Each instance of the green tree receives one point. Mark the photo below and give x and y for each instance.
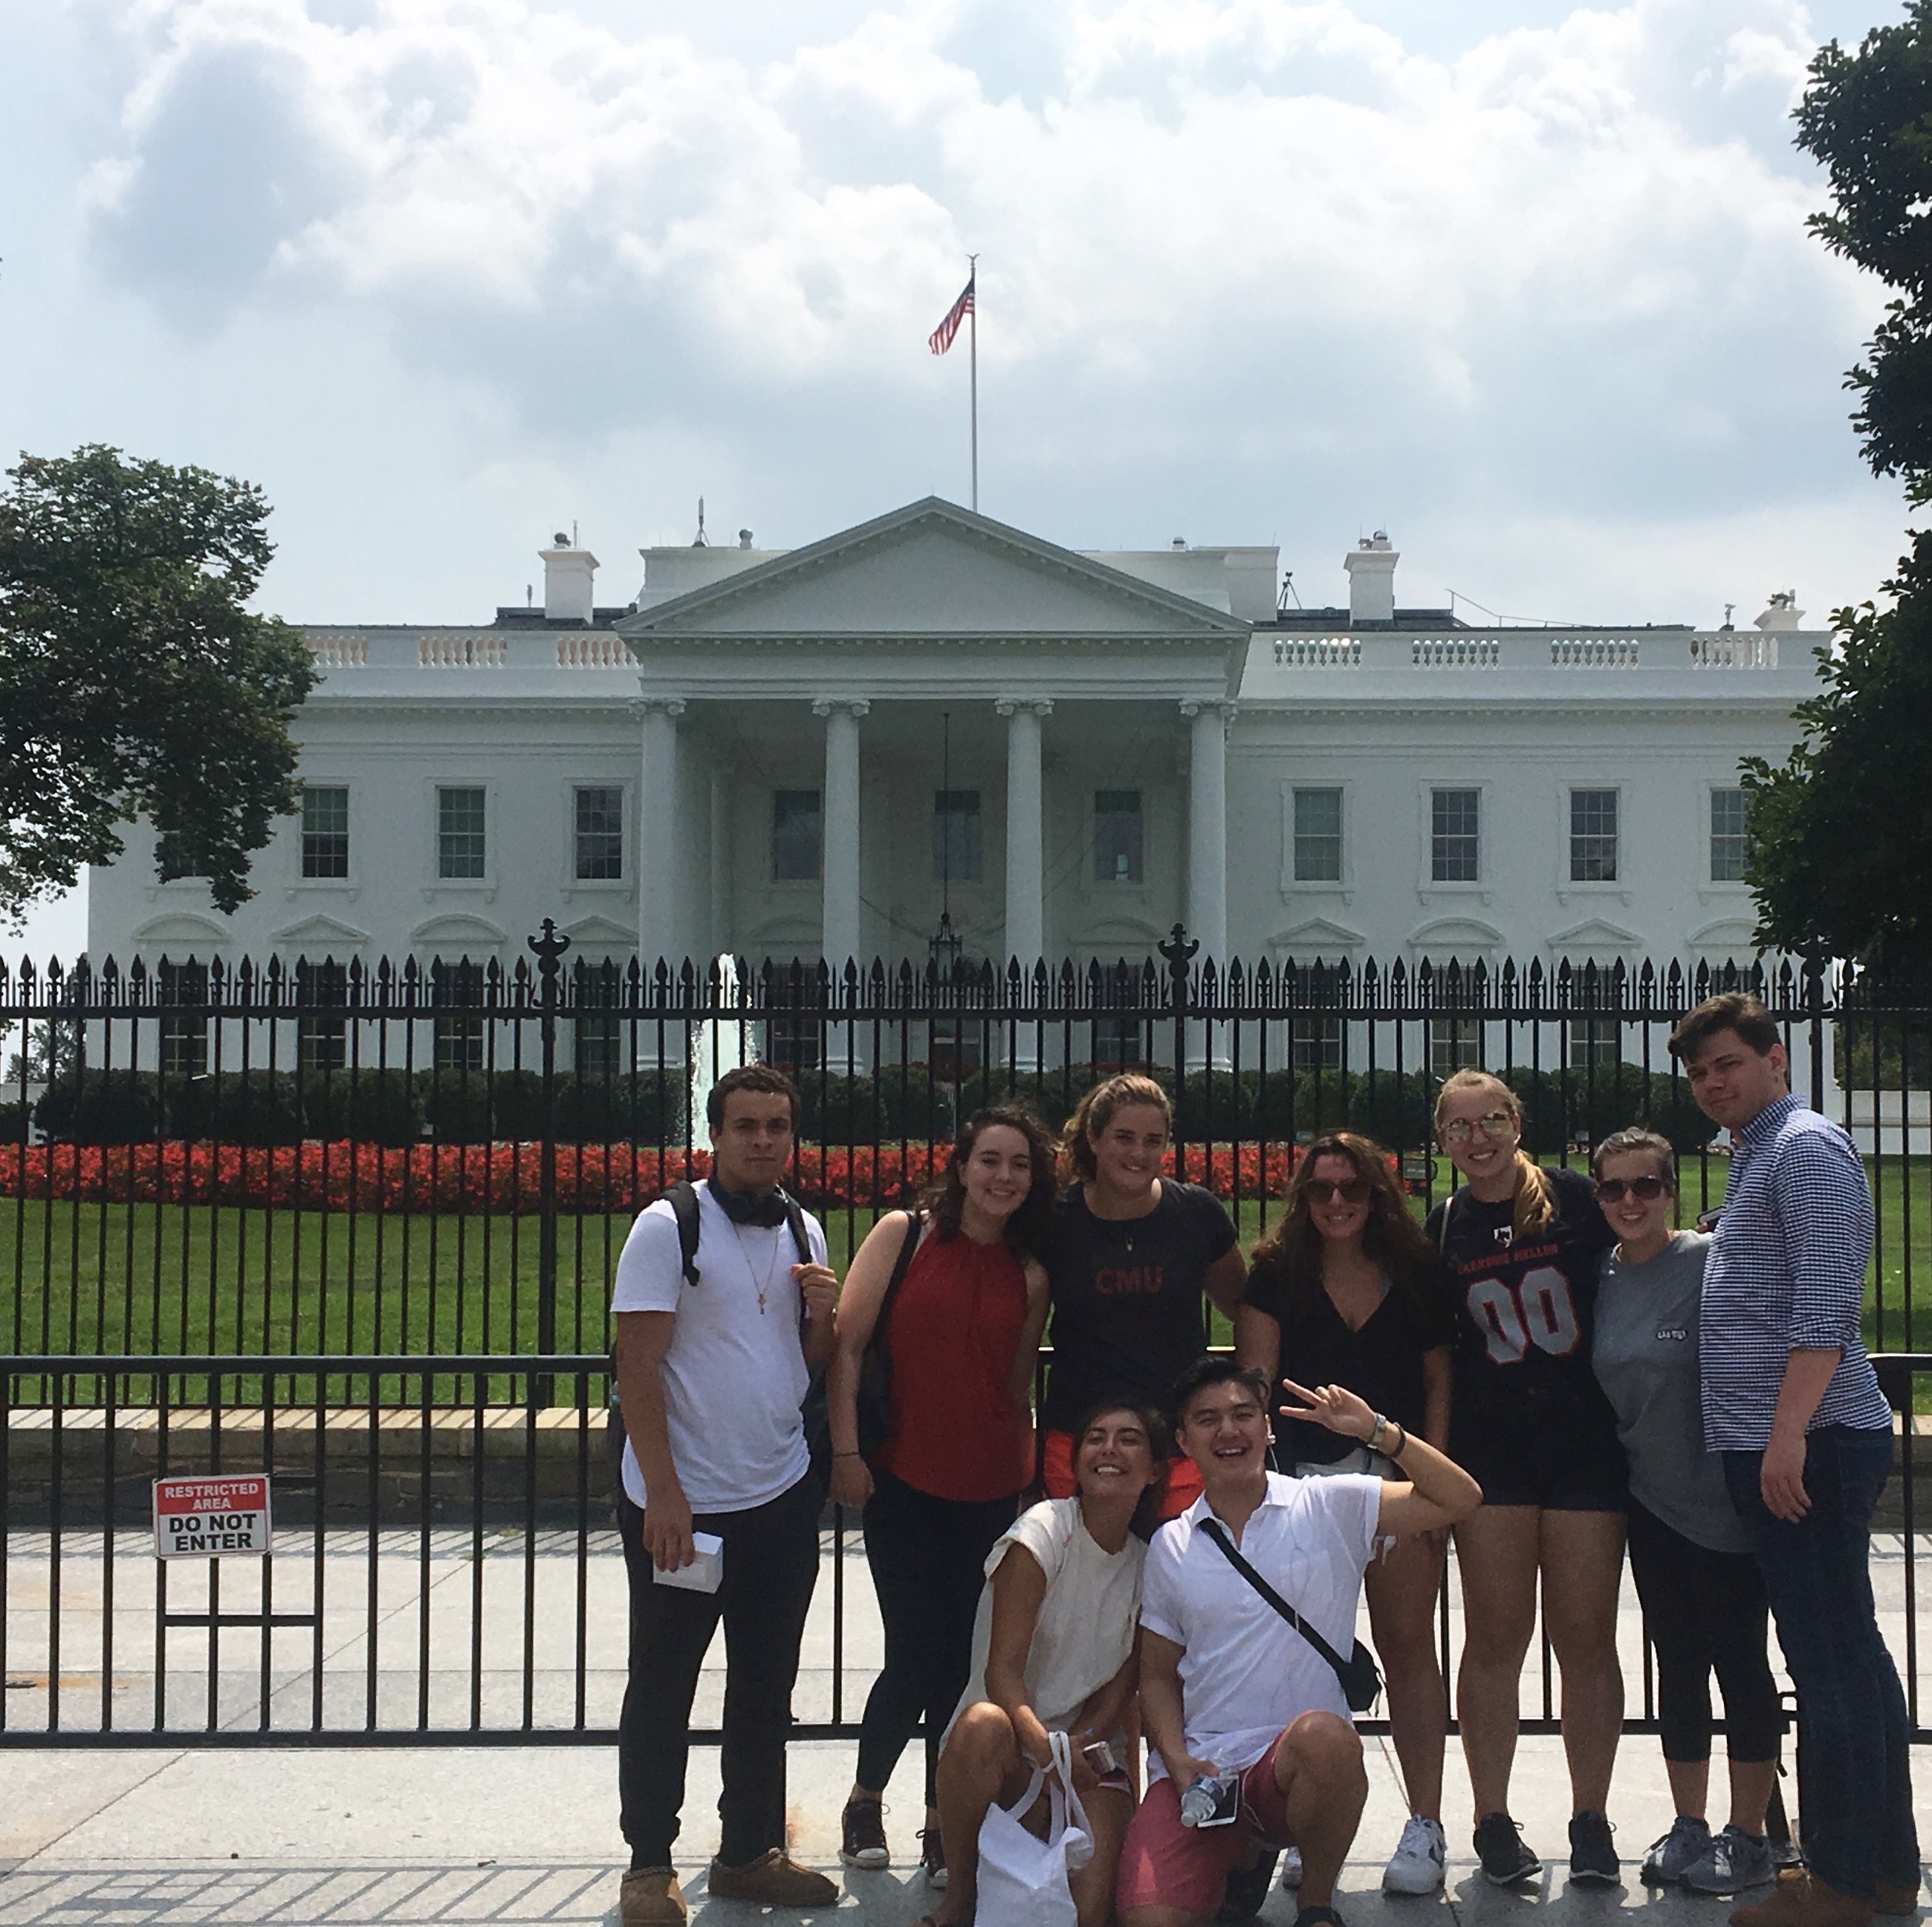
(133, 680)
(1842, 829)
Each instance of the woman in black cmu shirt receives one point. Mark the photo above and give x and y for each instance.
(1522, 1244)
(1133, 1253)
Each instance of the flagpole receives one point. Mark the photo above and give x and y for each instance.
(972, 354)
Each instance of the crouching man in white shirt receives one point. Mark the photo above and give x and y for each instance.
(1228, 1687)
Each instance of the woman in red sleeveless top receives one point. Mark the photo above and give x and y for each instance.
(962, 1336)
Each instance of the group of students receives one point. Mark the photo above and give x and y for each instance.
(1524, 1370)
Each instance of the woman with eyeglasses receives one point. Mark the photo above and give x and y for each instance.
(1346, 1289)
(1703, 1598)
(1528, 1419)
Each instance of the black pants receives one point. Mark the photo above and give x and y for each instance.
(771, 1565)
(1705, 1611)
(928, 1557)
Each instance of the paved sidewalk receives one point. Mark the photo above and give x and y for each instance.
(526, 1837)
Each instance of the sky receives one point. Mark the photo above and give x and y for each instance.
(1527, 284)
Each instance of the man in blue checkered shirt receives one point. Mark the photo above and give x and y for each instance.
(1791, 1402)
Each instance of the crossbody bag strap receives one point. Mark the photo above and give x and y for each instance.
(1218, 1533)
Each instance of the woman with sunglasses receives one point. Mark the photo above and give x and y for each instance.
(1528, 1419)
(1346, 1290)
(1704, 1604)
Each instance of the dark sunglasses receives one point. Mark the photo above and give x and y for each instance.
(1350, 1191)
(1610, 1190)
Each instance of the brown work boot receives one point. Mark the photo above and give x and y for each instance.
(774, 1879)
(651, 1897)
(1900, 1902)
(1801, 1899)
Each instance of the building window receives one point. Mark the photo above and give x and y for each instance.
(184, 988)
(600, 835)
(954, 1048)
(1318, 835)
(798, 836)
(1120, 1043)
(600, 1045)
(325, 831)
(1315, 1043)
(793, 1040)
(459, 832)
(1455, 835)
(1730, 839)
(1117, 838)
(1591, 1044)
(1455, 1043)
(1593, 835)
(321, 1037)
(458, 1040)
(957, 848)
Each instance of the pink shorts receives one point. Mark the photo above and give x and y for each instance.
(1165, 1864)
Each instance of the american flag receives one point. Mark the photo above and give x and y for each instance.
(941, 339)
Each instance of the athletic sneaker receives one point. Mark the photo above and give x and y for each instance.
(1416, 1866)
(1688, 1841)
(1505, 1856)
(1734, 1860)
(1291, 1868)
(1593, 1856)
(932, 1856)
(863, 1826)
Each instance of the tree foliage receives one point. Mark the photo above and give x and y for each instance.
(133, 680)
(1842, 829)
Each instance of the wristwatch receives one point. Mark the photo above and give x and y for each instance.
(1374, 1439)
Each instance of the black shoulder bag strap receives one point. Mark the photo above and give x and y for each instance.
(1361, 1678)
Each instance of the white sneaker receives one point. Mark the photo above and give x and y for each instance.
(1291, 1867)
(1417, 1865)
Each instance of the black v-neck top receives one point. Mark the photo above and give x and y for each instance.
(1381, 1363)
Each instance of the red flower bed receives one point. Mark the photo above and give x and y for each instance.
(508, 1177)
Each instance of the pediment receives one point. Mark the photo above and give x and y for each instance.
(457, 931)
(1594, 933)
(1315, 936)
(181, 926)
(1450, 935)
(320, 932)
(591, 932)
(1725, 937)
(932, 569)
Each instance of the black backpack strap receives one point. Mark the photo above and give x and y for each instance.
(801, 1235)
(683, 1199)
(1218, 1533)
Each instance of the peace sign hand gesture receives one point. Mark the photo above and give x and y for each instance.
(1332, 1405)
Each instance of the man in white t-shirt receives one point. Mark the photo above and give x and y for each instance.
(711, 1376)
(1227, 1685)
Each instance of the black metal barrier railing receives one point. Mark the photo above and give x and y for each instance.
(445, 1570)
(443, 1158)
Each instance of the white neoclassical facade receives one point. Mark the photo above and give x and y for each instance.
(816, 753)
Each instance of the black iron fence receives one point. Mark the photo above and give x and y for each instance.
(294, 1160)
(441, 1571)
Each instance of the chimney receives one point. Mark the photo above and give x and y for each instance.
(1371, 566)
(568, 571)
(1783, 614)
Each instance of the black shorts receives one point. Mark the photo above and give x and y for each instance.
(1555, 1453)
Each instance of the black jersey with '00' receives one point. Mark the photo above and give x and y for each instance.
(1524, 1306)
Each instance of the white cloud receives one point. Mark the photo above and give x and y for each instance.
(1273, 261)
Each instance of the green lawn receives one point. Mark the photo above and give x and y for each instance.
(106, 1279)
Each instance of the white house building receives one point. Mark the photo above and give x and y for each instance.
(814, 754)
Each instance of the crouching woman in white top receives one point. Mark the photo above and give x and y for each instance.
(1055, 1649)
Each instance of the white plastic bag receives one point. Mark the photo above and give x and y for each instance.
(1023, 1879)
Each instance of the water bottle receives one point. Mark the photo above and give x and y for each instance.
(1202, 1802)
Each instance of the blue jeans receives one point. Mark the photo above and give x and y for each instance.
(1856, 1800)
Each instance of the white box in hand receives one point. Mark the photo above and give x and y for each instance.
(704, 1573)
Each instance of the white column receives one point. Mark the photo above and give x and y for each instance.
(1026, 873)
(1207, 827)
(658, 839)
(841, 829)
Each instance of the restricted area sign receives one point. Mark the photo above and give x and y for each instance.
(197, 1518)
